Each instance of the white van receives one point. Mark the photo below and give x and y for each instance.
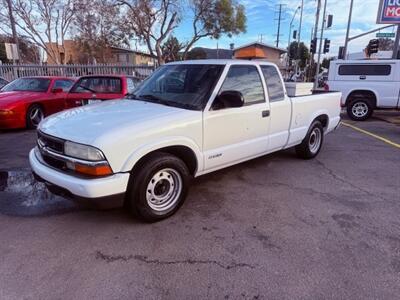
(365, 85)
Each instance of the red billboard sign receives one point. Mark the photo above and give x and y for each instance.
(389, 12)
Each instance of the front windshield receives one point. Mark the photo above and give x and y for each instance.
(28, 85)
(186, 86)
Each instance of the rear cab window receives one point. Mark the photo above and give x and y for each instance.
(101, 85)
(274, 83)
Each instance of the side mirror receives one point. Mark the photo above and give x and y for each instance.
(228, 99)
(57, 90)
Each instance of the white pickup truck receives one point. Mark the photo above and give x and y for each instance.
(188, 119)
(366, 85)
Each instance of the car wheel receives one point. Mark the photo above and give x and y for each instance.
(158, 187)
(312, 143)
(359, 109)
(34, 116)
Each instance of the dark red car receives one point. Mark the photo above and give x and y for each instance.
(25, 101)
(95, 88)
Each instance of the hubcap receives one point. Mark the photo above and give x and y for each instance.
(164, 189)
(359, 109)
(36, 116)
(314, 143)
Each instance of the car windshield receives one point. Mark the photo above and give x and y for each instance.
(185, 86)
(107, 85)
(28, 85)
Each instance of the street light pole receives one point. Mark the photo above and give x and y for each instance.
(291, 25)
(320, 46)
(396, 43)
(346, 42)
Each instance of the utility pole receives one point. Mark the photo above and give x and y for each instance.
(346, 42)
(320, 46)
(301, 21)
(12, 25)
(396, 43)
(279, 25)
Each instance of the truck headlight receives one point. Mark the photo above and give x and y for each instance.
(82, 151)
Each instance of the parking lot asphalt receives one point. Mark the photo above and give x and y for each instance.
(276, 227)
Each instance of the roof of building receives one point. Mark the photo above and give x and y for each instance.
(262, 45)
(132, 51)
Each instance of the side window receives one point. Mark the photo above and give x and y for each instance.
(372, 70)
(245, 79)
(274, 83)
(65, 85)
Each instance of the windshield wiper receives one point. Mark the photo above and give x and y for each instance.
(150, 97)
(88, 89)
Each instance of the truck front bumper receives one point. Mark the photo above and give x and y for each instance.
(101, 191)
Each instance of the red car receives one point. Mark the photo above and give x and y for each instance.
(95, 88)
(25, 101)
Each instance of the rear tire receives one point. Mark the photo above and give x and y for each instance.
(158, 187)
(34, 116)
(359, 109)
(312, 143)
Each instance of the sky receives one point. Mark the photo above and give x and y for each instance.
(261, 15)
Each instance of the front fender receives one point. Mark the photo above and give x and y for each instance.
(138, 153)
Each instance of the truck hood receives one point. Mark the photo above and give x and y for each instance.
(93, 124)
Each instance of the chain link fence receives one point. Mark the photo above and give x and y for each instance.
(11, 72)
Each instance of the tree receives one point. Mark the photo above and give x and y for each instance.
(29, 52)
(294, 54)
(97, 25)
(326, 62)
(171, 49)
(152, 21)
(196, 53)
(213, 18)
(45, 22)
(386, 44)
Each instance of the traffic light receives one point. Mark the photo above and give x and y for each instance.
(373, 47)
(329, 21)
(294, 34)
(313, 46)
(327, 44)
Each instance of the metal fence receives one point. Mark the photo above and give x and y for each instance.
(11, 72)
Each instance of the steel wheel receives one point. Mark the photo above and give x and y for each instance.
(164, 189)
(360, 109)
(314, 142)
(36, 115)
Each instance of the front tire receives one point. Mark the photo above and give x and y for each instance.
(359, 109)
(34, 116)
(312, 143)
(158, 187)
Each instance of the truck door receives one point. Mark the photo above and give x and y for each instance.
(232, 134)
(281, 108)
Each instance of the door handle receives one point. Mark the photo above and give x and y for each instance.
(363, 77)
(265, 113)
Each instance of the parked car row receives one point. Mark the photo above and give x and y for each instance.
(25, 102)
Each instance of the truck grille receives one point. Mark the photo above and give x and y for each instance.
(50, 142)
(53, 144)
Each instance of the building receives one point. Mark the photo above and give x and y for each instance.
(262, 51)
(69, 54)
(134, 57)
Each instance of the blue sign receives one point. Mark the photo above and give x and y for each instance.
(389, 12)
